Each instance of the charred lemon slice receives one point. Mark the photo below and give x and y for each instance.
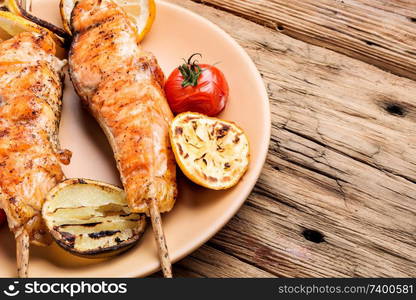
(211, 152)
(16, 6)
(91, 219)
(23, 8)
(141, 12)
(12, 6)
(11, 25)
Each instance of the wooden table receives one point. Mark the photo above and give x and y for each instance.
(337, 196)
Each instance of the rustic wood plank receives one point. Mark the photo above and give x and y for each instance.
(337, 195)
(355, 242)
(210, 262)
(379, 32)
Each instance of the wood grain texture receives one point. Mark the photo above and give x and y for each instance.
(210, 262)
(337, 196)
(379, 32)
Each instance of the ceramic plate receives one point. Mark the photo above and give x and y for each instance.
(199, 213)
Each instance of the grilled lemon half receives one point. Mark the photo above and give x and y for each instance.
(211, 152)
(91, 219)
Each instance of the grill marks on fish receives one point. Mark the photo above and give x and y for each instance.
(122, 86)
(30, 93)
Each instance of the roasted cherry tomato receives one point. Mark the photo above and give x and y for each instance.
(198, 88)
(2, 217)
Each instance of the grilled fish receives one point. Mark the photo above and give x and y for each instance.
(122, 86)
(30, 105)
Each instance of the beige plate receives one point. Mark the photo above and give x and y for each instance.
(199, 213)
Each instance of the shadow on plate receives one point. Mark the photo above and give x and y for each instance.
(93, 130)
(7, 243)
(195, 196)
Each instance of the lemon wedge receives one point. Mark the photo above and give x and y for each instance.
(141, 12)
(23, 7)
(66, 7)
(11, 25)
(13, 6)
(16, 6)
(211, 152)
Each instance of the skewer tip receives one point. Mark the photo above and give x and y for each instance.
(160, 239)
(22, 254)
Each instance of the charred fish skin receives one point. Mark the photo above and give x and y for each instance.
(30, 106)
(122, 86)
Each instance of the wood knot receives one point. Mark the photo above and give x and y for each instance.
(280, 27)
(412, 19)
(276, 168)
(370, 43)
(395, 109)
(313, 236)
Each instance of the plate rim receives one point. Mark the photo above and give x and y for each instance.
(232, 211)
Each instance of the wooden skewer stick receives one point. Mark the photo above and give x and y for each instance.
(154, 212)
(25, 4)
(22, 253)
(160, 238)
(28, 5)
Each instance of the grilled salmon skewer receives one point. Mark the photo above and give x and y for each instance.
(121, 84)
(30, 106)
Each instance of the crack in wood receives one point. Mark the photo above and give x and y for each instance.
(374, 165)
(259, 189)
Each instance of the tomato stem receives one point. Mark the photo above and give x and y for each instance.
(190, 71)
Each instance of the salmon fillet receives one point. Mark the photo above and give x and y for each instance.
(30, 106)
(122, 86)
